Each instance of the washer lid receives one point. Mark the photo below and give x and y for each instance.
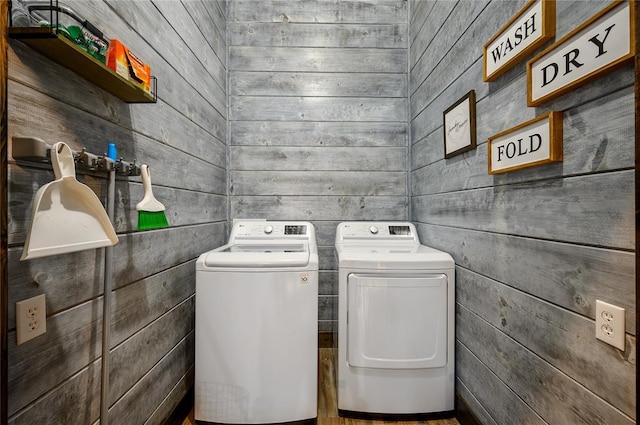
(259, 256)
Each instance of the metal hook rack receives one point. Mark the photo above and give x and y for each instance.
(34, 149)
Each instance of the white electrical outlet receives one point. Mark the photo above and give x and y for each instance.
(31, 318)
(610, 322)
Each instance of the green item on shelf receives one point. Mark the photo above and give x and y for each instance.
(76, 34)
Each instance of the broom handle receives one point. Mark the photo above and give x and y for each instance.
(106, 309)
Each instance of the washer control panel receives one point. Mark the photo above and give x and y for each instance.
(262, 229)
(291, 229)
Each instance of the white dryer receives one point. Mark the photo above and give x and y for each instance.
(396, 319)
(257, 326)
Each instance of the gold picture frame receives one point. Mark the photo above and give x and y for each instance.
(510, 37)
(577, 70)
(519, 142)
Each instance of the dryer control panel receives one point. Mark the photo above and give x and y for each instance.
(375, 230)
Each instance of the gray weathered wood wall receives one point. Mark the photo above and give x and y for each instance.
(534, 248)
(330, 117)
(55, 378)
(318, 117)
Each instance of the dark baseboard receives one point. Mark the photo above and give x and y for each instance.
(396, 417)
(182, 410)
(325, 340)
(463, 413)
(311, 421)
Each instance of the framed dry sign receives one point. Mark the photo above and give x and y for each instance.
(600, 45)
(529, 29)
(460, 126)
(535, 142)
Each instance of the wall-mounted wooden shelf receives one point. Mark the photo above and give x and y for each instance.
(64, 52)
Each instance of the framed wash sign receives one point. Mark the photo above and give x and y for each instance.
(600, 45)
(535, 142)
(460, 126)
(529, 29)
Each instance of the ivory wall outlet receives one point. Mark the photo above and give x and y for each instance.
(610, 323)
(31, 318)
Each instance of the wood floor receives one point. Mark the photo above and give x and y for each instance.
(327, 403)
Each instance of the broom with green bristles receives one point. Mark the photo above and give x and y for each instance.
(150, 211)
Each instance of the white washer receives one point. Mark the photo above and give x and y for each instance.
(257, 326)
(396, 323)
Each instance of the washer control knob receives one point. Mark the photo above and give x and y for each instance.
(268, 229)
(374, 230)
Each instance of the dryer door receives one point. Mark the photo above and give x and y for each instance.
(397, 321)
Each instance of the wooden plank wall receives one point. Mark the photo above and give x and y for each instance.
(4, 275)
(55, 378)
(318, 117)
(535, 248)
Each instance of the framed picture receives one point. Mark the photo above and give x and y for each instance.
(600, 45)
(535, 142)
(460, 126)
(529, 29)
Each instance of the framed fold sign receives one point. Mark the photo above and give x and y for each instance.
(600, 45)
(529, 29)
(535, 142)
(460, 126)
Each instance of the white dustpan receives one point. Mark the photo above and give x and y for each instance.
(67, 215)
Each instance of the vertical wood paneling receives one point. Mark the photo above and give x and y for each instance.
(522, 266)
(4, 207)
(55, 378)
(636, 19)
(318, 116)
